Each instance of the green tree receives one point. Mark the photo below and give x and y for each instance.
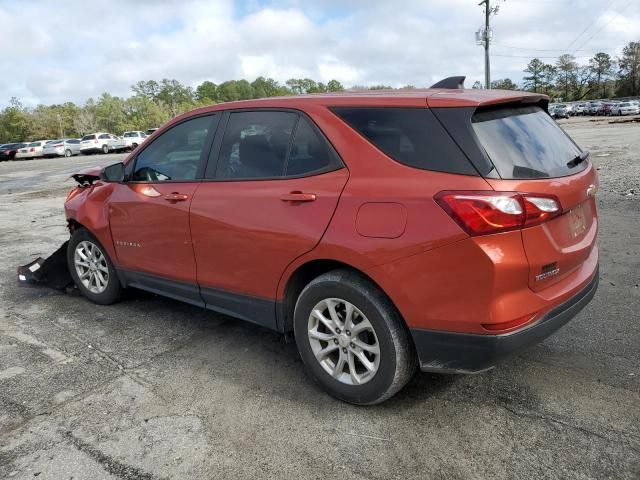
(207, 92)
(334, 86)
(504, 84)
(477, 85)
(600, 66)
(566, 71)
(148, 89)
(228, 91)
(534, 80)
(14, 124)
(629, 70)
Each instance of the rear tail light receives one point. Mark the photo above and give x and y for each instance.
(483, 213)
(32, 149)
(95, 141)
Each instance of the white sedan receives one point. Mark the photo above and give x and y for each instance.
(33, 150)
(625, 108)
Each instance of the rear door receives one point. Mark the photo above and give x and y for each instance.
(532, 154)
(272, 185)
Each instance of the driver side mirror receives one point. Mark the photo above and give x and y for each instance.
(113, 173)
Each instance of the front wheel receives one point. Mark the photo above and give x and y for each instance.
(105, 149)
(67, 153)
(92, 269)
(352, 339)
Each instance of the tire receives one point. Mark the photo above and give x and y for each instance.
(389, 370)
(67, 153)
(105, 149)
(102, 293)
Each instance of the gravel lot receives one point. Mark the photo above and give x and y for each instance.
(151, 388)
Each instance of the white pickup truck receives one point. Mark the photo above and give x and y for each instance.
(133, 139)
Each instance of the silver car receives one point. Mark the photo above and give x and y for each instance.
(62, 148)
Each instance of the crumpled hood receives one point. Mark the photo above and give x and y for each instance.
(87, 176)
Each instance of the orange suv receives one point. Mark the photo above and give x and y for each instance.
(439, 229)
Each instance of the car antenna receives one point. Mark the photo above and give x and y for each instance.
(453, 83)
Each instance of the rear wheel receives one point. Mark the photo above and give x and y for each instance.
(67, 153)
(105, 149)
(92, 269)
(352, 339)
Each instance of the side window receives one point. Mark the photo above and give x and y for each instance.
(255, 144)
(310, 152)
(175, 154)
(411, 136)
(104, 135)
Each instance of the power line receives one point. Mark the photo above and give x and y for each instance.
(606, 24)
(547, 49)
(530, 57)
(590, 24)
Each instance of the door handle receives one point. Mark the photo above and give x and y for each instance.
(176, 197)
(298, 197)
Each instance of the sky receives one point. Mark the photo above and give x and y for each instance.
(54, 51)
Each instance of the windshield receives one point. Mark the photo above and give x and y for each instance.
(525, 142)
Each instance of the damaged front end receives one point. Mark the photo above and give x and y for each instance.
(53, 272)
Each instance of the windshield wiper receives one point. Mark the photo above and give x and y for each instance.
(578, 159)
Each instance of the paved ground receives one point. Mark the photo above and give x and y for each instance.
(152, 388)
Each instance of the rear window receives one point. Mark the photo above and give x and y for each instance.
(35, 144)
(130, 134)
(89, 137)
(411, 136)
(525, 142)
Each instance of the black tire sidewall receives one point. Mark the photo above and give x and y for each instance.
(375, 388)
(113, 290)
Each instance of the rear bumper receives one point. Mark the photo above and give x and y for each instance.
(449, 352)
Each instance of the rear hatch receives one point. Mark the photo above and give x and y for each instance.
(533, 155)
(528, 153)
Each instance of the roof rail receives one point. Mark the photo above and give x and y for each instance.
(450, 82)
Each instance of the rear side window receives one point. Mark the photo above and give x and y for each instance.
(310, 152)
(524, 142)
(411, 136)
(255, 145)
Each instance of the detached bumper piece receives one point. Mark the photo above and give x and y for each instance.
(51, 272)
(448, 352)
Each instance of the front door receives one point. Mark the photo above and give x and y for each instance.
(267, 200)
(149, 213)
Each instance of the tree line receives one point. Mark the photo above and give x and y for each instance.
(152, 103)
(566, 80)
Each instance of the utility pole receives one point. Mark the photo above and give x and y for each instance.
(483, 37)
(59, 118)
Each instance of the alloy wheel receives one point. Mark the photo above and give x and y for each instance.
(343, 341)
(91, 266)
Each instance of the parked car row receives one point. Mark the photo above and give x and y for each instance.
(595, 108)
(99, 142)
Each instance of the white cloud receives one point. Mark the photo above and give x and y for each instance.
(81, 49)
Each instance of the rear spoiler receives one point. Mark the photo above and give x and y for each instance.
(454, 83)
